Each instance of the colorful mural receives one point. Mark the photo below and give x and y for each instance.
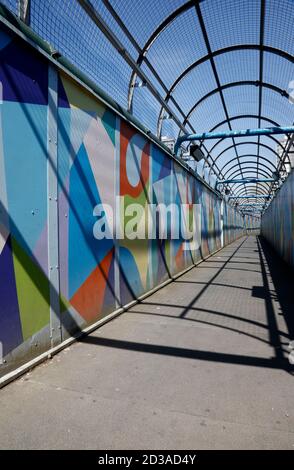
(277, 223)
(86, 178)
(233, 224)
(102, 162)
(24, 286)
(252, 223)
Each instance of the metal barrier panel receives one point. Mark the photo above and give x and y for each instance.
(24, 157)
(69, 168)
(233, 224)
(277, 222)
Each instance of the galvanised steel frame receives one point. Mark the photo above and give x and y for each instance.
(180, 118)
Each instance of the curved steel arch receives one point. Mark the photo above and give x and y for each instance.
(246, 116)
(249, 155)
(234, 186)
(277, 142)
(246, 143)
(220, 89)
(257, 199)
(166, 22)
(250, 142)
(251, 187)
(246, 169)
(261, 47)
(209, 56)
(238, 185)
(242, 116)
(260, 197)
(241, 191)
(272, 169)
(229, 175)
(247, 161)
(256, 83)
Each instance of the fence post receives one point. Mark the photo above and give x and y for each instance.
(222, 222)
(24, 11)
(52, 190)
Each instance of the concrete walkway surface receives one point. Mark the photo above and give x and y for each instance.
(201, 364)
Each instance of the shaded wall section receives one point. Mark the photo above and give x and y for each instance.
(64, 154)
(277, 223)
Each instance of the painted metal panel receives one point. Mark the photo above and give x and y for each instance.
(277, 222)
(66, 162)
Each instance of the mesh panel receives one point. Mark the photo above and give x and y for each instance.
(142, 17)
(101, 8)
(278, 107)
(270, 141)
(277, 71)
(179, 115)
(242, 100)
(170, 129)
(231, 22)
(244, 140)
(247, 162)
(208, 113)
(244, 160)
(66, 26)
(279, 20)
(238, 66)
(146, 108)
(12, 5)
(194, 85)
(221, 146)
(153, 80)
(244, 123)
(223, 159)
(246, 149)
(274, 142)
(177, 47)
(265, 152)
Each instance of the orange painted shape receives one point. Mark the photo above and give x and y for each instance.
(179, 257)
(88, 300)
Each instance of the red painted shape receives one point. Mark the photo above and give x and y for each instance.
(126, 134)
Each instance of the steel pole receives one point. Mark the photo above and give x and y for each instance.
(228, 134)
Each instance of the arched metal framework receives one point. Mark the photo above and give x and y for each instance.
(268, 85)
(238, 161)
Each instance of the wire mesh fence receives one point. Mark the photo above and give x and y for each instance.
(205, 62)
(12, 5)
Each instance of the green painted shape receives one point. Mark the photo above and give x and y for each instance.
(64, 304)
(32, 291)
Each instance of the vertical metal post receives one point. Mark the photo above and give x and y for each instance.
(4, 218)
(52, 192)
(222, 222)
(171, 244)
(116, 211)
(149, 217)
(24, 11)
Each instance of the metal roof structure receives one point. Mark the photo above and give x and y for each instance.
(189, 66)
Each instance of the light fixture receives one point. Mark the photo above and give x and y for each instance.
(276, 175)
(196, 153)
